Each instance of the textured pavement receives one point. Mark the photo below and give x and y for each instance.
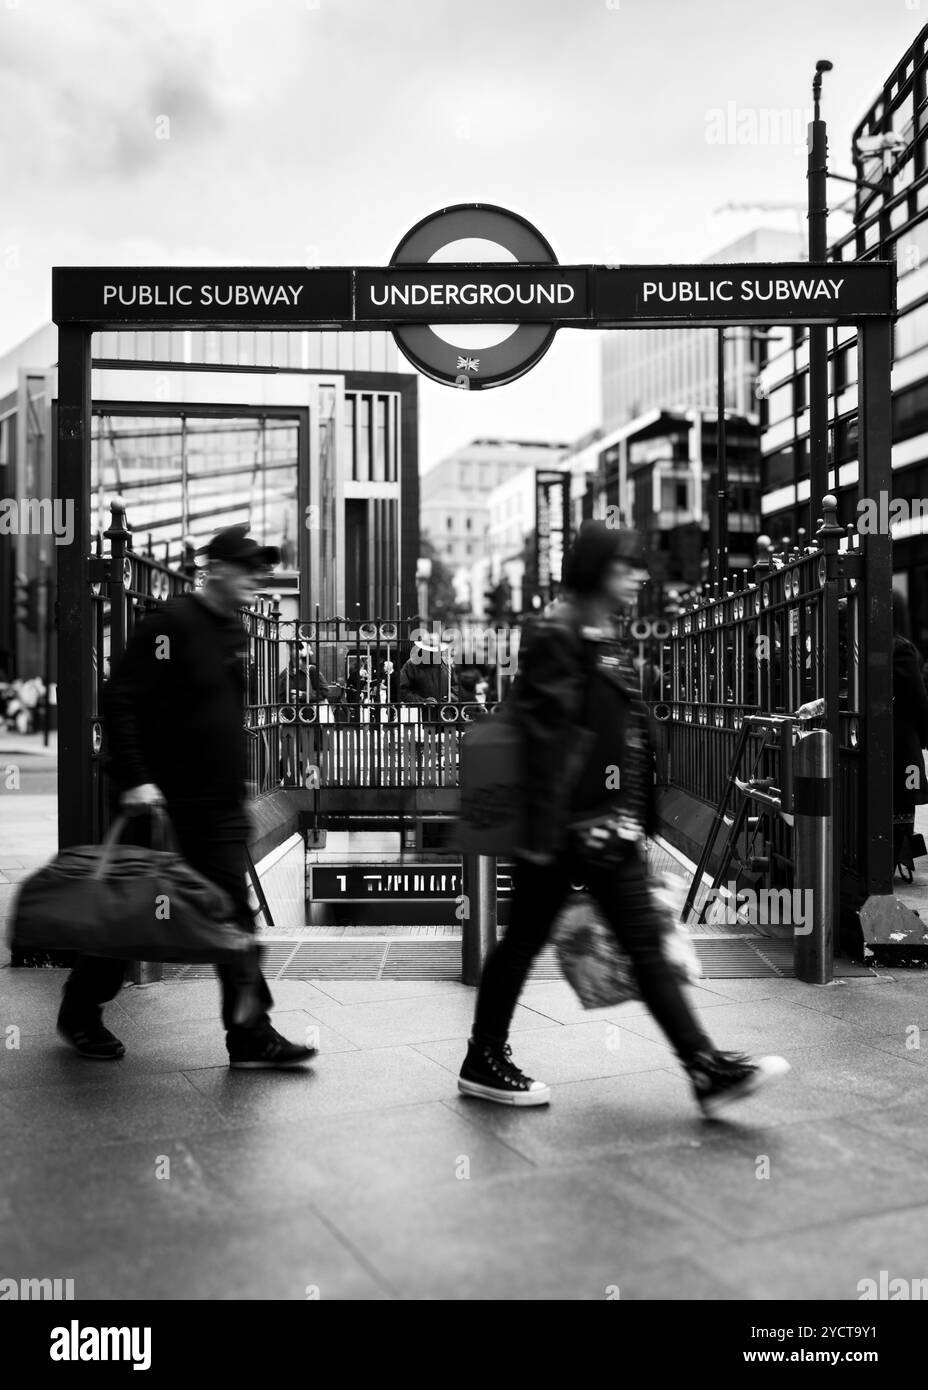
(367, 1177)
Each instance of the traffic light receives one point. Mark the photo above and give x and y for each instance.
(26, 608)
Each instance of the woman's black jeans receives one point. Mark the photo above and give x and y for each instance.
(623, 896)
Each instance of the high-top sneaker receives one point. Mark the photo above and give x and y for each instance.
(490, 1073)
(720, 1079)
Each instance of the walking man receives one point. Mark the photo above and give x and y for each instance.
(174, 722)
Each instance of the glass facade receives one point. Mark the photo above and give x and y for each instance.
(184, 476)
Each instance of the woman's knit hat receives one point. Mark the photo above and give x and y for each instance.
(595, 548)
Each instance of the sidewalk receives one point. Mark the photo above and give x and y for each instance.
(28, 814)
(367, 1177)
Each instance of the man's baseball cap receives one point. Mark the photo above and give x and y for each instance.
(234, 546)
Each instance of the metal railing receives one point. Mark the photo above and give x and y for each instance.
(323, 716)
(786, 634)
(328, 714)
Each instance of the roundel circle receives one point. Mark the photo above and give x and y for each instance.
(469, 368)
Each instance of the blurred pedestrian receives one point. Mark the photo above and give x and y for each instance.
(387, 683)
(428, 678)
(588, 801)
(301, 683)
(174, 724)
(300, 690)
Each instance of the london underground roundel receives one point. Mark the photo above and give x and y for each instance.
(474, 368)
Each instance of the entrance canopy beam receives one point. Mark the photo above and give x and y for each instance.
(294, 298)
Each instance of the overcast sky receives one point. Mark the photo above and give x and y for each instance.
(322, 130)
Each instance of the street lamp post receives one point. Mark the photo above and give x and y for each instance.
(721, 473)
(818, 337)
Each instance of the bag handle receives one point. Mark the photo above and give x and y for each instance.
(163, 833)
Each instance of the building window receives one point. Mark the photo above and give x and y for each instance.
(911, 248)
(780, 404)
(450, 523)
(363, 457)
(469, 524)
(379, 461)
(6, 440)
(910, 330)
(348, 437)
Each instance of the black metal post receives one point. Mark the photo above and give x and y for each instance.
(818, 337)
(721, 529)
(76, 820)
(48, 619)
(829, 537)
(874, 356)
(478, 885)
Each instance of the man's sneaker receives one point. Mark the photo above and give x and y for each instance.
(722, 1078)
(91, 1039)
(269, 1051)
(490, 1073)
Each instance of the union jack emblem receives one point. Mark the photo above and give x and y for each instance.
(468, 364)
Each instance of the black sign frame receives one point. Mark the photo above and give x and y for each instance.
(332, 299)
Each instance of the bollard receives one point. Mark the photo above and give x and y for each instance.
(813, 800)
(478, 884)
(146, 972)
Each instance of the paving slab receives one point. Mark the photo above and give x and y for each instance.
(106, 1108)
(381, 1153)
(293, 1256)
(372, 1079)
(379, 991)
(779, 1180)
(392, 1022)
(764, 1025)
(572, 1234)
(829, 1262)
(898, 1126)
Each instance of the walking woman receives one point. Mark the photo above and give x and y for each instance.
(587, 796)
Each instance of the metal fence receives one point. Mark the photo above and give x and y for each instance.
(323, 705)
(786, 634)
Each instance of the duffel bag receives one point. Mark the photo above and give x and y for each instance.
(127, 902)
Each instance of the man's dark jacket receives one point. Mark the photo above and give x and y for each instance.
(550, 703)
(294, 688)
(420, 681)
(174, 706)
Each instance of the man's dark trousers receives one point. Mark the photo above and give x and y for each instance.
(213, 840)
